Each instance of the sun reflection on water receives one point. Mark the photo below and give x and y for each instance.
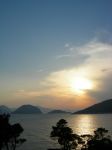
(85, 124)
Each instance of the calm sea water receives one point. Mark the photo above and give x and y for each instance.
(37, 128)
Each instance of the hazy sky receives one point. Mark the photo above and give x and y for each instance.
(46, 45)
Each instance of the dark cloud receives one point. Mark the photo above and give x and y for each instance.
(106, 69)
(105, 89)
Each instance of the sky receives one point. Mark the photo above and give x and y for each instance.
(55, 53)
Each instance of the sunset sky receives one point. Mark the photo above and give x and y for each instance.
(55, 53)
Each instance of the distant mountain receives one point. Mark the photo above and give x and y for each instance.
(58, 112)
(4, 109)
(13, 109)
(27, 109)
(99, 108)
(44, 109)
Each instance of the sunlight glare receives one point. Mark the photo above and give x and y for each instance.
(80, 84)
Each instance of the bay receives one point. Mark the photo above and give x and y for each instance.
(37, 128)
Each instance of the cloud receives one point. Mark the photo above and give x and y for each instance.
(26, 94)
(106, 69)
(53, 100)
(67, 61)
(91, 60)
(40, 70)
(94, 51)
(104, 90)
(58, 102)
(66, 45)
(63, 56)
(94, 58)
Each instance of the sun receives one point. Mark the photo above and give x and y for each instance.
(81, 84)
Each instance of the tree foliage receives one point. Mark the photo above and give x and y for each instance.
(9, 134)
(64, 135)
(100, 140)
(68, 140)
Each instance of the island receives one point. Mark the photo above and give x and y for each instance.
(58, 112)
(27, 109)
(99, 108)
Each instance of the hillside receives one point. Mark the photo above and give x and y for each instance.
(4, 109)
(58, 112)
(99, 108)
(44, 109)
(27, 109)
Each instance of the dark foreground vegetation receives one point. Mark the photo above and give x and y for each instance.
(10, 137)
(10, 134)
(68, 140)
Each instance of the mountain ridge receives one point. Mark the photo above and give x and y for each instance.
(27, 109)
(4, 109)
(98, 108)
(57, 111)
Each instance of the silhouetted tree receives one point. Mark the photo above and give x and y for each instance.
(65, 136)
(100, 140)
(9, 134)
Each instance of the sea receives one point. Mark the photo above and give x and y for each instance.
(37, 128)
